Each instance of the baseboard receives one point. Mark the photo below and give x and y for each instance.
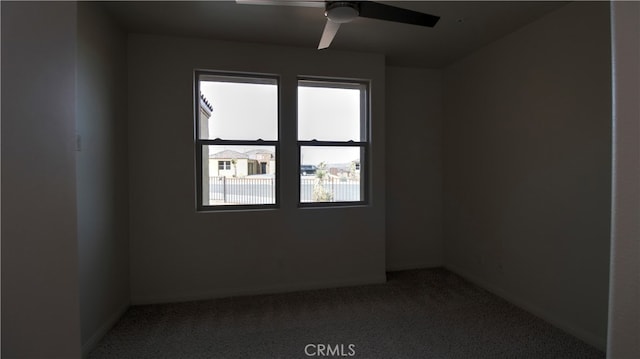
(404, 266)
(586, 336)
(95, 339)
(269, 289)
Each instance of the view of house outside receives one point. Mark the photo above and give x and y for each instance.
(246, 174)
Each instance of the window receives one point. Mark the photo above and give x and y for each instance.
(333, 141)
(224, 165)
(236, 140)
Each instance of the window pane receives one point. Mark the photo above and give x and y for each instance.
(234, 108)
(331, 174)
(329, 113)
(236, 175)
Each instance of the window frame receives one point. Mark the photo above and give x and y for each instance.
(224, 165)
(199, 143)
(363, 143)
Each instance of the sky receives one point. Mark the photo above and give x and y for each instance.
(246, 111)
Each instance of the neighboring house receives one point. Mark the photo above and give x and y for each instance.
(205, 114)
(231, 163)
(351, 169)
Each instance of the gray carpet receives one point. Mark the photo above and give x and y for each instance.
(416, 314)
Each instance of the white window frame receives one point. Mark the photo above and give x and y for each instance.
(201, 143)
(363, 144)
(224, 165)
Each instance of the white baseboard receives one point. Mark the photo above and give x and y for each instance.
(584, 335)
(268, 289)
(93, 341)
(404, 266)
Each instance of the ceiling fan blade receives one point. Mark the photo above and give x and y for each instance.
(380, 11)
(330, 30)
(309, 3)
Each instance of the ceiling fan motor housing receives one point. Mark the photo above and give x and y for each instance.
(341, 12)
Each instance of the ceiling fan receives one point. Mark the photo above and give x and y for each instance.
(341, 12)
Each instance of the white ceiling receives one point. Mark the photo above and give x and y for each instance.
(464, 26)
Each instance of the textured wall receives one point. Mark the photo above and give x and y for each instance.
(102, 172)
(624, 300)
(527, 167)
(414, 168)
(177, 253)
(40, 309)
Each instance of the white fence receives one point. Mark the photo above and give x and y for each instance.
(248, 190)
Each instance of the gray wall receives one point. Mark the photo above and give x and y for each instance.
(101, 173)
(179, 254)
(624, 300)
(40, 306)
(527, 167)
(414, 168)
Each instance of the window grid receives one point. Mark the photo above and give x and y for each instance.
(224, 165)
(202, 143)
(363, 144)
(359, 165)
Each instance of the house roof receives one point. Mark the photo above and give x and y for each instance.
(205, 103)
(231, 154)
(254, 153)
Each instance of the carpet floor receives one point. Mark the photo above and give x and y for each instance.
(430, 313)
